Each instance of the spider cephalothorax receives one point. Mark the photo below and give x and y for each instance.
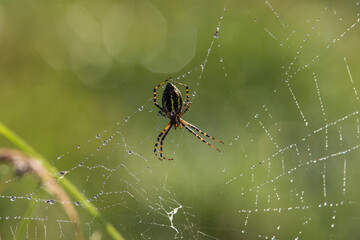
(173, 108)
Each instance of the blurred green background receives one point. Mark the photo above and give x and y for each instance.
(70, 70)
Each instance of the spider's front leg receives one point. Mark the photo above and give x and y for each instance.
(162, 135)
(155, 102)
(187, 91)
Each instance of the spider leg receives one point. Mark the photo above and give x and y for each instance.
(198, 130)
(165, 131)
(162, 114)
(155, 102)
(161, 144)
(187, 91)
(186, 107)
(203, 140)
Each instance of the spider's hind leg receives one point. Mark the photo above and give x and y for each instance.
(198, 130)
(203, 140)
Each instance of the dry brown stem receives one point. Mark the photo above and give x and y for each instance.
(24, 164)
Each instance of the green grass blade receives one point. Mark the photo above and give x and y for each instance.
(65, 183)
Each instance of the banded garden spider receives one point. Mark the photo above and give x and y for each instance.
(174, 108)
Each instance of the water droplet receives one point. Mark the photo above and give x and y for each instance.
(81, 164)
(101, 193)
(255, 20)
(202, 66)
(221, 59)
(29, 197)
(98, 148)
(97, 136)
(127, 118)
(79, 146)
(194, 94)
(62, 173)
(237, 138)
(12, 198)
(150, 110)
(256, 115)
(50, 201)
(141, 108)
(78, 203)
(105, 143)
(130, 152)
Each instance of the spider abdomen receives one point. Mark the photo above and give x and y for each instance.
(172, 100)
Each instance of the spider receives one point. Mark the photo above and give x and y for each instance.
(174, 108)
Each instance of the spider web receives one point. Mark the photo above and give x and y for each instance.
(289, 120)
